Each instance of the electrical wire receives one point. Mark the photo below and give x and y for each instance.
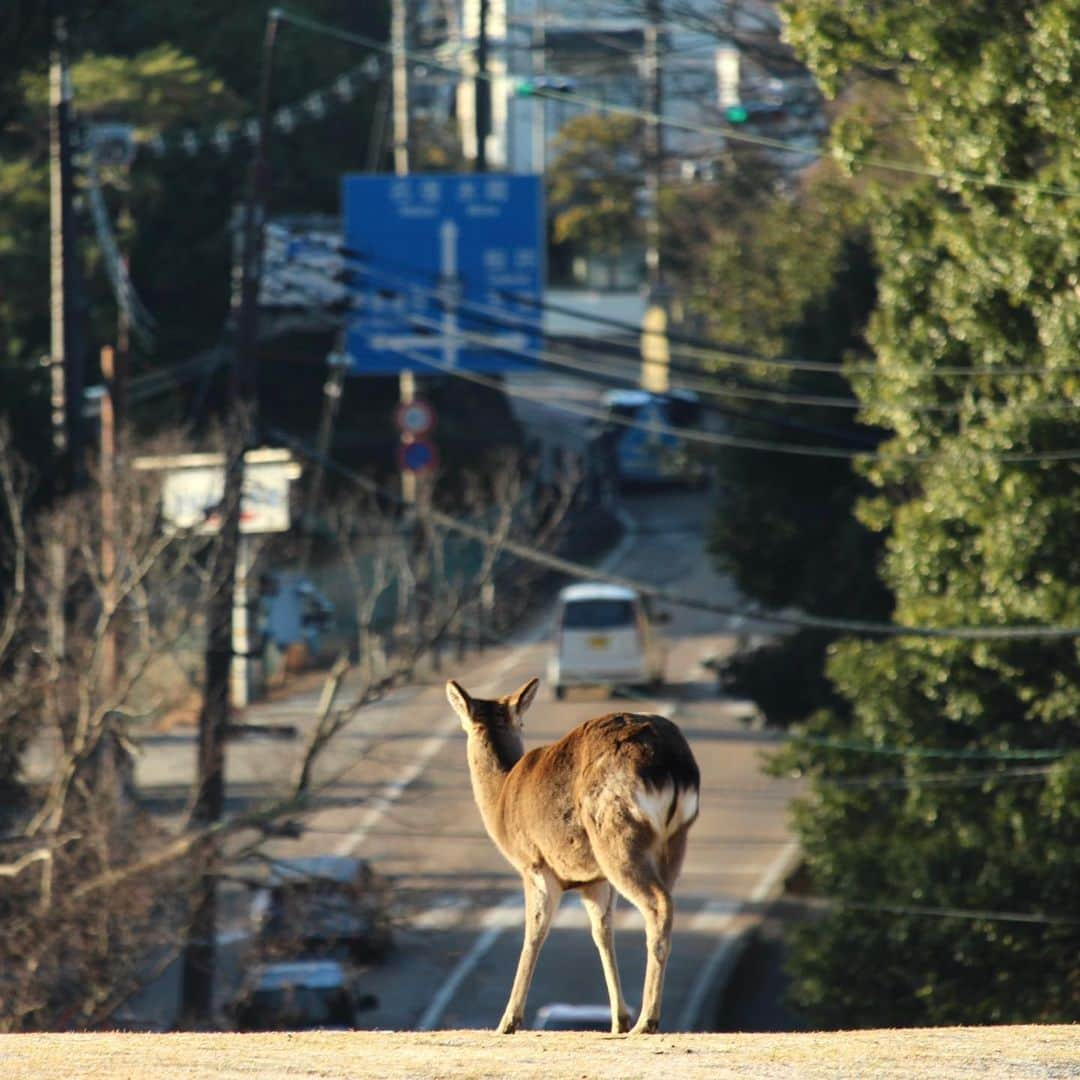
(687, 434)
(676, 599)
(606, 377)
(692, 378)
(955, 754)
(936, 780)
(967, 914)
(707, 438)
(693, 346)
(952, 176)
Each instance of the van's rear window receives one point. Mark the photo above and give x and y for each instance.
(598, 614)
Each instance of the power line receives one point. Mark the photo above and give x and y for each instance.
(735, 355)
(676, 599)
(693, 378)
(854, 746)
(606, 377)
(954, 176)
(938, 780)
(928, 911)
(704, 437)
(691, 345)
(227, 135)
(687, 434)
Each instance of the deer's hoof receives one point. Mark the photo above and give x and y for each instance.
(645, 1026)
(622, 1025)
(508, 1025)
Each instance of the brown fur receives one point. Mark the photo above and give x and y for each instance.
(570, 815)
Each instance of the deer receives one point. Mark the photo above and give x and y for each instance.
(606, 809)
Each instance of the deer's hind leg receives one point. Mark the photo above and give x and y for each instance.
(629, 860)
(599, 901)
(542, 895)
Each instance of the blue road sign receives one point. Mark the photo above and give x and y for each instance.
(423, 249)
(417, 456)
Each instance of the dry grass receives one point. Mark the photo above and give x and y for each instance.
(1026, 1052)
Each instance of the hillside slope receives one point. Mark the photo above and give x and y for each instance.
(1023, 1052)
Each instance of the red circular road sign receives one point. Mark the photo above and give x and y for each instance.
(417, 456)
(414, 417)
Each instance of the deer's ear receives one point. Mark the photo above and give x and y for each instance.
(460, 702)
(522, 698)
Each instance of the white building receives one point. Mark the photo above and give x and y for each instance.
(598, 53)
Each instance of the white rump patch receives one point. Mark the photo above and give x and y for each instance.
(657, 810)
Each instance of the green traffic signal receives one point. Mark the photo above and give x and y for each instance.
(551, 84)
(736, 114)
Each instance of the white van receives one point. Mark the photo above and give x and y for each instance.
(605, 635)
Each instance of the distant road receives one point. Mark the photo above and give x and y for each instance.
(401, 797)
(460, 902)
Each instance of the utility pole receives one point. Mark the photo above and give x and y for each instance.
(64, 361)
(399, 40)
(482, 90)
(338, 367)
(200, 953)
(60, 235)
(113, 371)
(654, 148)
(654, 343)
(539, 112)
(65, 358)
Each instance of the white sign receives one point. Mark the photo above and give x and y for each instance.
(192, 493)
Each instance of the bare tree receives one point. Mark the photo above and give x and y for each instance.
(94, 890)
(78, 817)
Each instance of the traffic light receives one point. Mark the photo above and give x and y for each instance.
(558, 84)
(736, 114)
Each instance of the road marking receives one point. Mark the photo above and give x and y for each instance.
(498, 919)
(724, 951)
(443, 914)
(397, 787)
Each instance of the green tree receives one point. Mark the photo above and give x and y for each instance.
(972, 276)
(166, 70)
(594, 181)
(793, 276)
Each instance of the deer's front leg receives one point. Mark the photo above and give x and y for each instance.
(542, 895)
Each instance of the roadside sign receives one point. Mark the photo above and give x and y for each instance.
(414, 417)
(417, 456)
(194, 485)
(423, 250)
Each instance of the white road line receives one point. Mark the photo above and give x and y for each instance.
(498, 919)
(397, 787)
(713, 916)
(394, 790)
(447, 912)
(723, 953)
(487, 939)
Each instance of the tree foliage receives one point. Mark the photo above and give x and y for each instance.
(165, 70)
(972, 276)
(793, 276)
(594, 181)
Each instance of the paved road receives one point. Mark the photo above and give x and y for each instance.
(401, 797)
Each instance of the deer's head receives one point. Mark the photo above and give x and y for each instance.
(499, 715)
